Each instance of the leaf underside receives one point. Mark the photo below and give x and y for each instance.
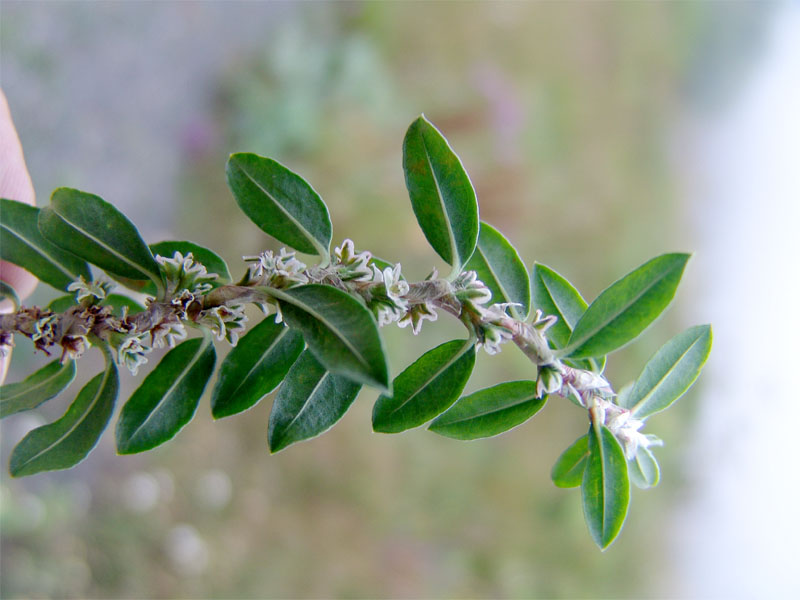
(605, 487)
(426, 388)
(339, 330)
(627, 307)
(310, 401)
(168, 397)
(255, 367)
(44, 384)
(490, 411)
(670, 372)
(67, 441)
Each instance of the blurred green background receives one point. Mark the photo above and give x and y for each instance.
(561, 113)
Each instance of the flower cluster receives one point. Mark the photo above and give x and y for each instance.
(278, 271)
(624, 426)
(226, 322)
(384, 289)
(131, 353)
(91, 290)
(70, 331)
(185, 273)
(351, 265)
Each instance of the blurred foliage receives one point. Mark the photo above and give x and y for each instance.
(559, 113)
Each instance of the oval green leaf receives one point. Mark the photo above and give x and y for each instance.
(168, 397)
(96, 231)
(554, 295)
(441, 193)
(62, 303)
(625, 309)
(605, 487)
(643, 469)
(118, 302)
(426, 388)
(339, 330)
(490, 411)
(310, 401)
(280, 202)
(22, 243)
(255, 367)
(670, 372)
(208, 258)
(67, 441)
(499, 266)
(569, 468)
(46, 383)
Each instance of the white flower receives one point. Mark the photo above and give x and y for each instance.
(493, 337)
(396, 286)
(496, 311)
(584, 381)
(471, 288)
(416, 315)
(346, 254)
(548, 381)
(88, 289)
(631, 438)
(169, 331)
(225, 321)
(389, 314)
(131, 353)
(541, 322)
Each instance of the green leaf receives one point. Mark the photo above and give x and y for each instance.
(605, 487)
(310, 402)
(280, 202)
(554, 295)
(490, 411)
(255, 367)
(339, 330)
(22, 243)
(627, 307)
(96, 231)
(441, 193)
(426, 388)
(167, 398)
(67, 441)
(670, 372)
(9, 293)
(46, 383)
(209, 259)
(499, 266)
(569, 468)
(118, 302)
(643, 469)
(62, 303)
